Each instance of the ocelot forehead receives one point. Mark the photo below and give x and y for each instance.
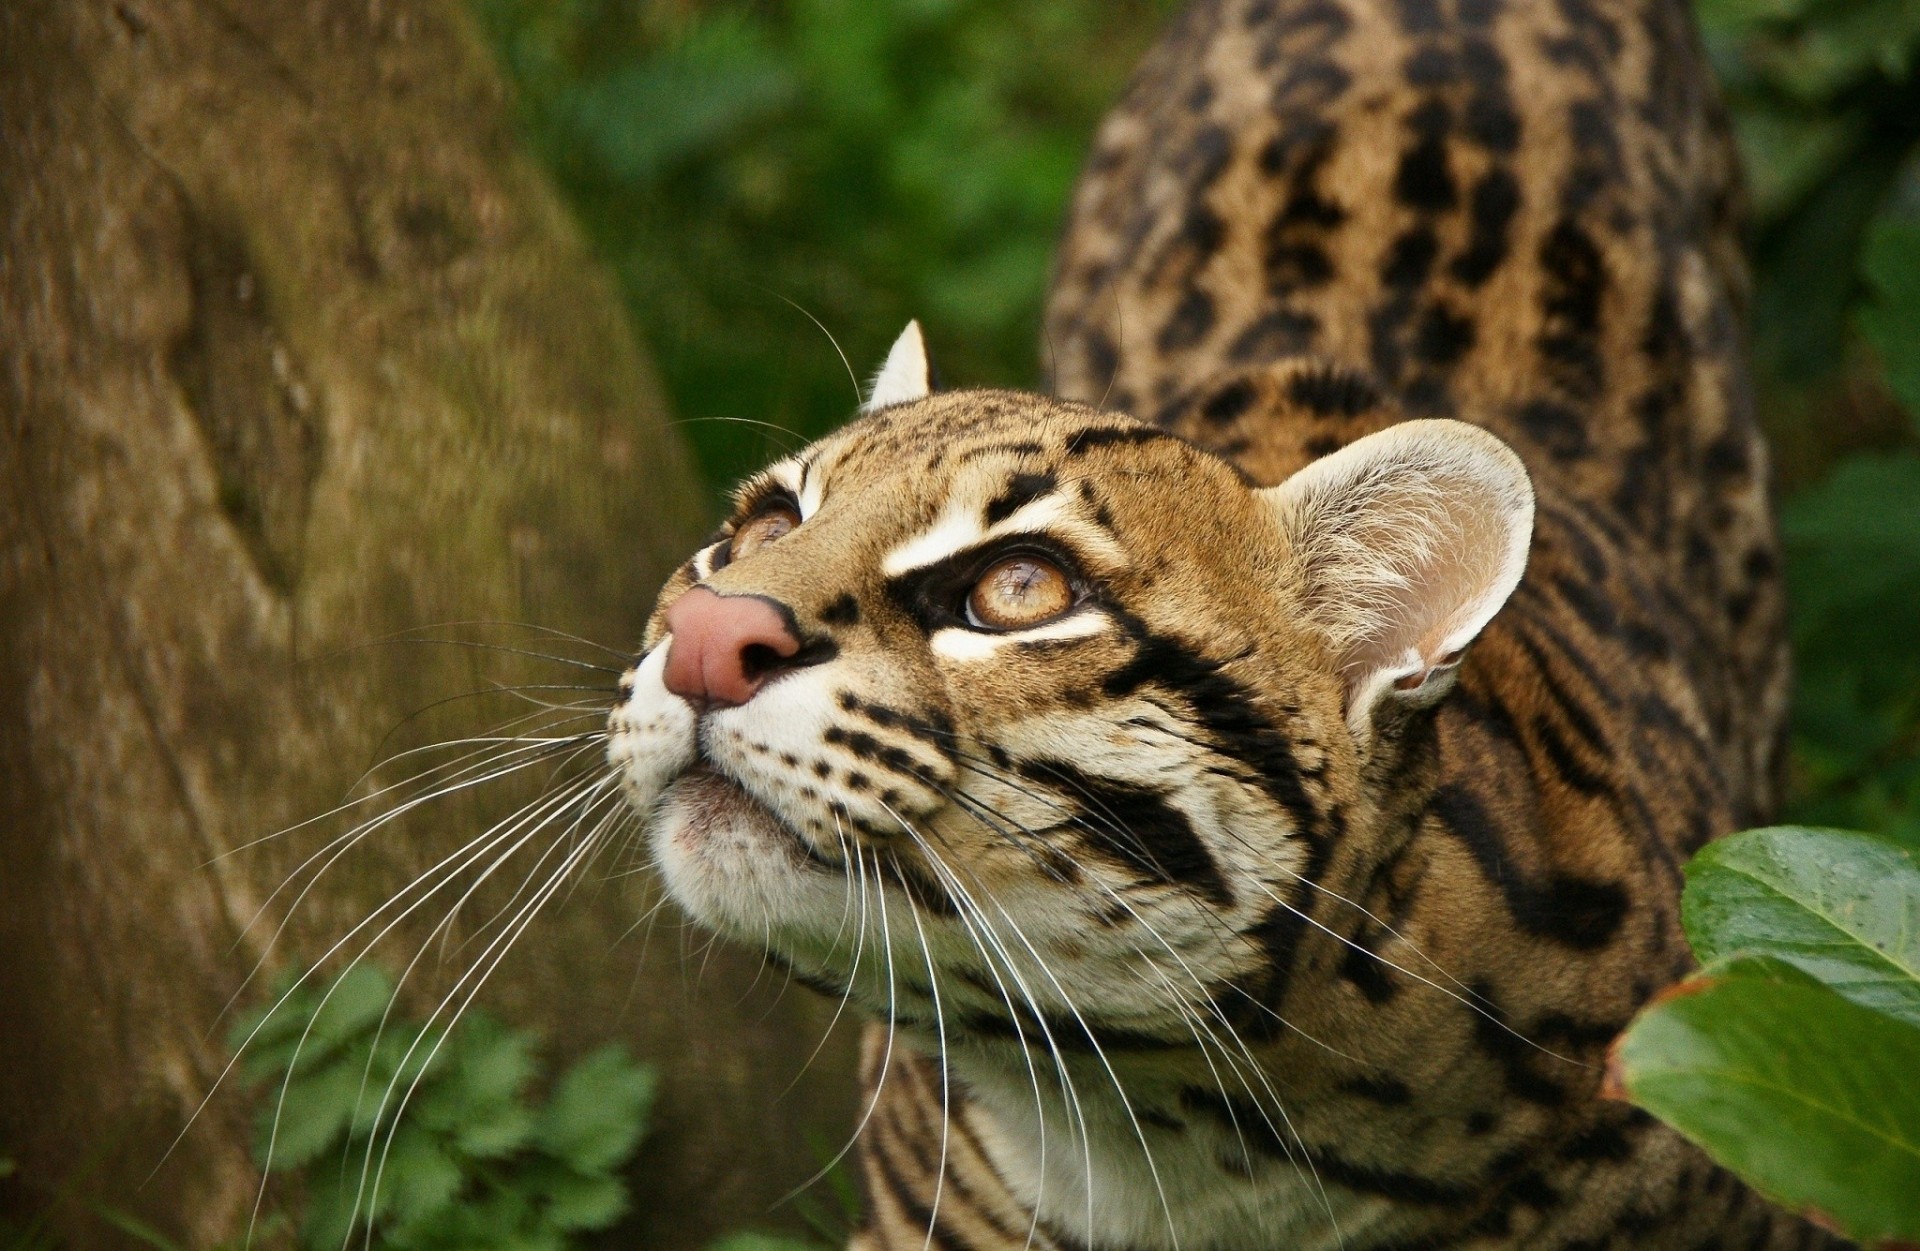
(959, 469)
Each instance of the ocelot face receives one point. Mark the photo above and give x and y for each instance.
(1041, 706)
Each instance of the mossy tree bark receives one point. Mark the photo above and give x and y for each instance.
(297, 351)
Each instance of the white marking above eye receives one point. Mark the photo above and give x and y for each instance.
(788, 473)
(965, 645)
(959, 528)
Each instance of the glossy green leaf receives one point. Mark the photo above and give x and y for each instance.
(1809, 1096)
(1843, 907)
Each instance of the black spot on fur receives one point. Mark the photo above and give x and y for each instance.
(1410, 259)
(1083, 441)
(843, 611)
(1227, 404)
(1283, 332)
(1387, 1091)
(1491, 206)
(1022, 489)
(1331, 392)
(1192, 318)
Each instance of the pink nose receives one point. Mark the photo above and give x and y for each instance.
(725, 647)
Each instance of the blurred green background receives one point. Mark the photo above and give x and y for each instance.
(750, 170)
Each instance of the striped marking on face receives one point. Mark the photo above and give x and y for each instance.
(962, 526)
(962, 644)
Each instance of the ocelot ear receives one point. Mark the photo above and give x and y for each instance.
(907, 374)
(1405, 544)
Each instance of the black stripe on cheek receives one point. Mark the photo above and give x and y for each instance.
(1226, 709)
(1022, 489)
(1137, 825)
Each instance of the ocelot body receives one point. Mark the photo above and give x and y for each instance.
(1248, 789)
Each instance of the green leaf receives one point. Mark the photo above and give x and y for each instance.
(576, 1201)
(1843, 907)
(297, 1129)
(1810, 1097)
(598, 1111)
(1890, 262)
(418, 1177)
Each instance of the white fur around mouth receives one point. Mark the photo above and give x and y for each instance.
(735, 866)
(703, 805)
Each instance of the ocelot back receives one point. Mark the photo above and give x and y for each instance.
(1123, 754)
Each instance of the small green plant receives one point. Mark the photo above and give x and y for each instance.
(1793, 1057)
(419, 1138)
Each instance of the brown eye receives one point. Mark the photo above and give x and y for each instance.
(763, 528)
(1018, 592)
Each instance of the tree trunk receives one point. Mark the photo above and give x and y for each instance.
(296, 352)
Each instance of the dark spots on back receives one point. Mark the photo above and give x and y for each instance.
(1431, 65)
(1424, 180)
(1410, 258)
(1419, 17)
(1729, 456)
(1227, 405)
(1442, 336)
(1202, 230)
(1297, 265)
(1137, 825)
(1561, 430)
(1103, 359)
(1192, 318)
(1574, 281)
(1332, 392)
(1021, 489)
(1282, 332)
(1479, 1123)
(1491, 207)
(843, 611)
(1491, 122)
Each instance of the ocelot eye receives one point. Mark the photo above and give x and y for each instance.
(1019, 592)
(761, 529)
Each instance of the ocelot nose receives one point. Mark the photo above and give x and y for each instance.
(726, 647)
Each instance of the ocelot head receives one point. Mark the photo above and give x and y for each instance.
(1042, 708)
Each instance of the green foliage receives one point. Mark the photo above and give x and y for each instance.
(426, 1134)
(869, 160)
(1853, 573)
(1825, 97)
(1794, 1057)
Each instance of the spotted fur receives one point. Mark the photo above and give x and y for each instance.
(1245, 905)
